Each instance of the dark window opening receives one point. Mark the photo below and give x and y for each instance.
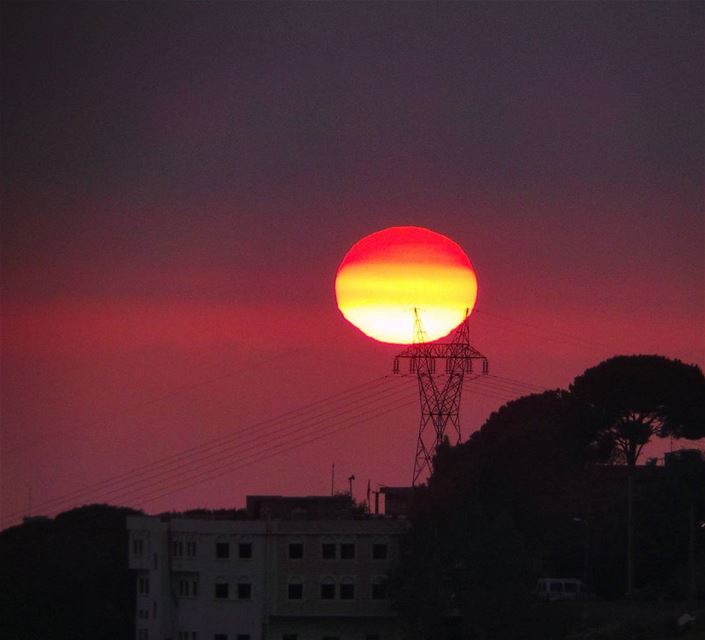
(222, 550)
(347, 591)
(379, 591)
(244, 591)
(296, 550)
(379, 551)
(244, 550)
(222, 590)
(347, 551)
(327, 591)
(328, 551)
(296, 591)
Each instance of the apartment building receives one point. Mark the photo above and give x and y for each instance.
(308, 568)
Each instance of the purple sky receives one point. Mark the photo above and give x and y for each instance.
(181, 181)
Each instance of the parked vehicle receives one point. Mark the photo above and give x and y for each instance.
(561, 589)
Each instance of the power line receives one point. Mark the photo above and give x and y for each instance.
(276, 450)
(237, 456)
(220, 443)
(496, 389)
(538, 332)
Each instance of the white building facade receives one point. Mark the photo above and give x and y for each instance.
(292, 569)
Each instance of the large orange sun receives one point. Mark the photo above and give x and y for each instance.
(389, 274)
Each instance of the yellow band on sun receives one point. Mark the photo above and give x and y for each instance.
(388, 274)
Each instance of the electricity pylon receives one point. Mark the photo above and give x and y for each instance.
(439, 393)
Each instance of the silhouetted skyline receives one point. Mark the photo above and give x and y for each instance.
(181, 181)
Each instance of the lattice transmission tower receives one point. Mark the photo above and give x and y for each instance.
(439, 393)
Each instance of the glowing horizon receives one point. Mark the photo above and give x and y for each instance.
(388, 274)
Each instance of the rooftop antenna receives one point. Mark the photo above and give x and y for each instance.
(350, 480)
(439, 394)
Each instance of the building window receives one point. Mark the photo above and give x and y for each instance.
(137, 546)
(347, 551)
(296, 550)
(142, 634)
(328, 589)
(191, 549)
(244, 551)
(143, 586)
(222, 590)
(328, 551)
(222, 550)
(188, 587)
(295, 590)
(244, 589)
(347, 589)
(379, 589)
(379, 551)
(177, 548)
(143, 614)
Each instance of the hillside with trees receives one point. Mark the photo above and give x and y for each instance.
(542, 490)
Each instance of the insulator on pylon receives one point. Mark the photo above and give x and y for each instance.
(485, 367)
(468, 365)
(448, 365)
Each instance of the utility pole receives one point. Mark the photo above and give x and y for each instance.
(586, 548)
(692, 584)
(440, 399)
(350, 480)
(630, 531)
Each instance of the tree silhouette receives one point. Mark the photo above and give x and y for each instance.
(67, 578)
(635, 398)
(495, 511)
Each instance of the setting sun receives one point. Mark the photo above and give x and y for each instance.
(388, 274)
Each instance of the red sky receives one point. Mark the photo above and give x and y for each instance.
(180, 186)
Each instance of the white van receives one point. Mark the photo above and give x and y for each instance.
(561, 589)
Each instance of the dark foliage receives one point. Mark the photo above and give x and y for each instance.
(531, 494)
(638, 397)
(67, 578)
